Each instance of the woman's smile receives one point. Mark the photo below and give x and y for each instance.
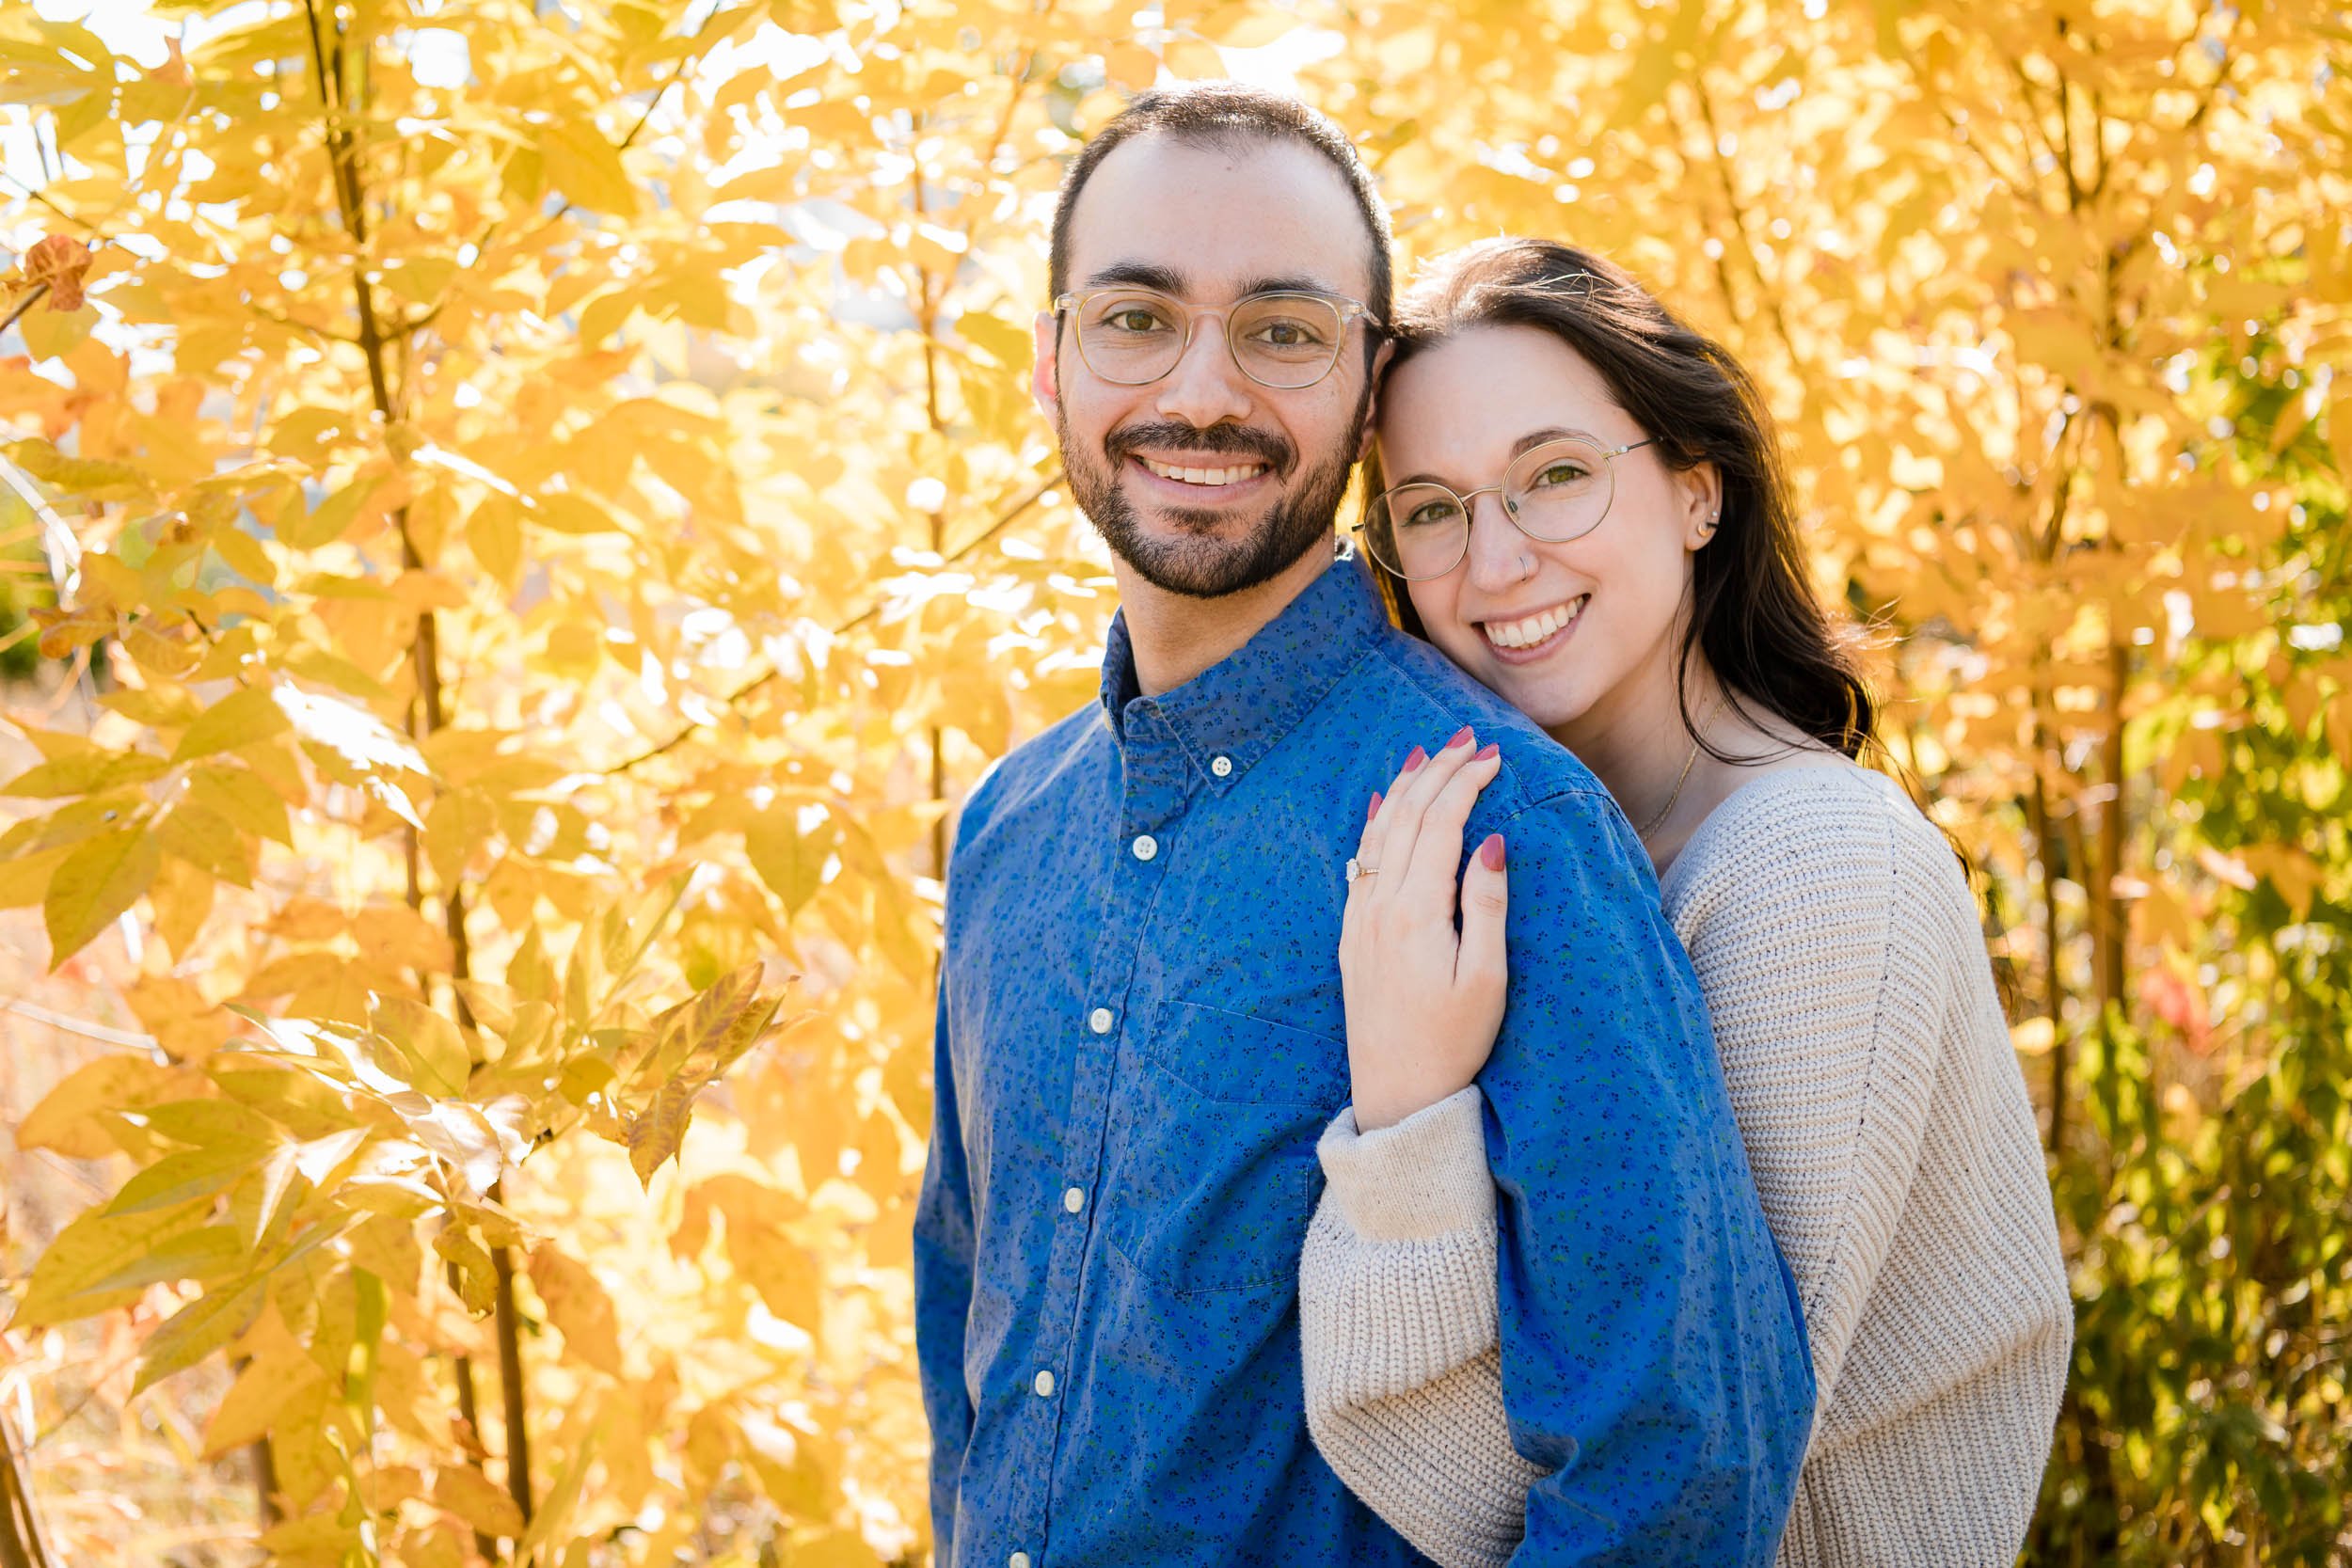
(1525, 639)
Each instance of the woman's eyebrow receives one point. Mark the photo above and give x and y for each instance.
(1519, 447)
(1535, 439)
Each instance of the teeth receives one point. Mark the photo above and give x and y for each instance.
(1536, 628)
(1206, 475)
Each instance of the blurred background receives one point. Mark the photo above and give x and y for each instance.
(519, 521)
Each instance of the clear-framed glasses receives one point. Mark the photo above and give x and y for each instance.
(1554, 493)
(1133, 336)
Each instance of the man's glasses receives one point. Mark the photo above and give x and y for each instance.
(1285, 340)
(1554, 493)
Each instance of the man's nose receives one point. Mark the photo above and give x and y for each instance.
(1206, 388)
(1498, 550)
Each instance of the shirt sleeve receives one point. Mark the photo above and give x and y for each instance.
(943, 1288)
(1653, 1357)
(1396, 1307)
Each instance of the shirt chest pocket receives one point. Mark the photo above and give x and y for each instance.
(1214, 1175)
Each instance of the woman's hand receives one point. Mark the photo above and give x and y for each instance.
(1423, 1003)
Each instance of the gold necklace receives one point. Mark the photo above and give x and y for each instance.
(1667, 810)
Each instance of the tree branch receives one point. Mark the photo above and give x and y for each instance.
(1004, 520)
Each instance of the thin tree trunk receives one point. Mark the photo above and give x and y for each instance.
(427, 712)
(469, 1410)
(2052, 979)
(510, 1383)
(21, 1545)
(2108, 924)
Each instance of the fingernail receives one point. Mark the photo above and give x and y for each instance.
(1372, 810)
(1491, 851)
(1459, 736)
(1489, 749)
(1418, 757)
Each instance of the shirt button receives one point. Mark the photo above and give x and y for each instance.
(1074, 1199)
(1146, 846)
(1100, 1021)
(1018, 1559)
(1044, 1385)
(1221, 767)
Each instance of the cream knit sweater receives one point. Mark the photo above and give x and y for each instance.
(1893, 1149)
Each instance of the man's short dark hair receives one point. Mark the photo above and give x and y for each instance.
(1221, 113)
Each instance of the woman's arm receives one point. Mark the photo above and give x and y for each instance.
(1827, 1025)
(1397, 1292)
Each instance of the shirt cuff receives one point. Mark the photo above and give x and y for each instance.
(1420, 1178)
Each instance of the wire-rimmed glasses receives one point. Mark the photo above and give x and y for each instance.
(1131, 337)
(1554, 493)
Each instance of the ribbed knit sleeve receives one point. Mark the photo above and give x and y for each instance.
(1397, 1301)
(1895, 1150)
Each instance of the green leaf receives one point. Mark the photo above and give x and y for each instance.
(95, 884)
(94, 1246)
(198, 1330)
(792, 863)
(201, 1254)
(553, 1520)
(184, 1177)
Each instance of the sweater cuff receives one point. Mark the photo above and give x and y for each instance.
(1423, 1178)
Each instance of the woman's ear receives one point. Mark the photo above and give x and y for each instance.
(1702, 486)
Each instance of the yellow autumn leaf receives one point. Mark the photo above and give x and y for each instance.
(100, 880)
(244, 716)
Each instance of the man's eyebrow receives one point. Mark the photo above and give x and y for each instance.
(1288, 286)
(1147, 274)
(1519, 447)
(1138, 275)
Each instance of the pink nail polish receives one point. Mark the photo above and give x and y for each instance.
(1459, 736)
(1372, 810)
(1489, 749)
(1491, 851)
(1415, 760)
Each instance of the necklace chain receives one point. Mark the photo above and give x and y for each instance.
(1667, 810)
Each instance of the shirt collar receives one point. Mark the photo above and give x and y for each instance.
(1241, 707)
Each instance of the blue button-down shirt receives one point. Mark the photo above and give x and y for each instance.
(1140, 1036)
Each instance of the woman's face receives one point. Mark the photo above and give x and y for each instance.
(1567, 633)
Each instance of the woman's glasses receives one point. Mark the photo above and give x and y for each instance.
(1554, 493)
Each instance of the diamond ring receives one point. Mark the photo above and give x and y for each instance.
(1356, 868)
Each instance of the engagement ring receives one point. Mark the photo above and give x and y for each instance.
(1356, 868)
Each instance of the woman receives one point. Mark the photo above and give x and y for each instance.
(1581, 505)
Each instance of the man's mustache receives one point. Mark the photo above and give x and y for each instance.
(1217, 440)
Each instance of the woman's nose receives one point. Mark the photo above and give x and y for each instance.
(1498, 550)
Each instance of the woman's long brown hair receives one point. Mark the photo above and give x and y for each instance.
(1753, 613)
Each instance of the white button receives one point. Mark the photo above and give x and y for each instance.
(1100, 1021)
(1044, 1385)
(1221, 767)
(1146, 846)
(1074, 1199)
(1018, 1559)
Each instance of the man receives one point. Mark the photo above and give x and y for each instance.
(1140, 1026)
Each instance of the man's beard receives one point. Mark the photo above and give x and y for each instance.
(1194, 563)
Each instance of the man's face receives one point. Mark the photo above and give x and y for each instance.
(1268, 467)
